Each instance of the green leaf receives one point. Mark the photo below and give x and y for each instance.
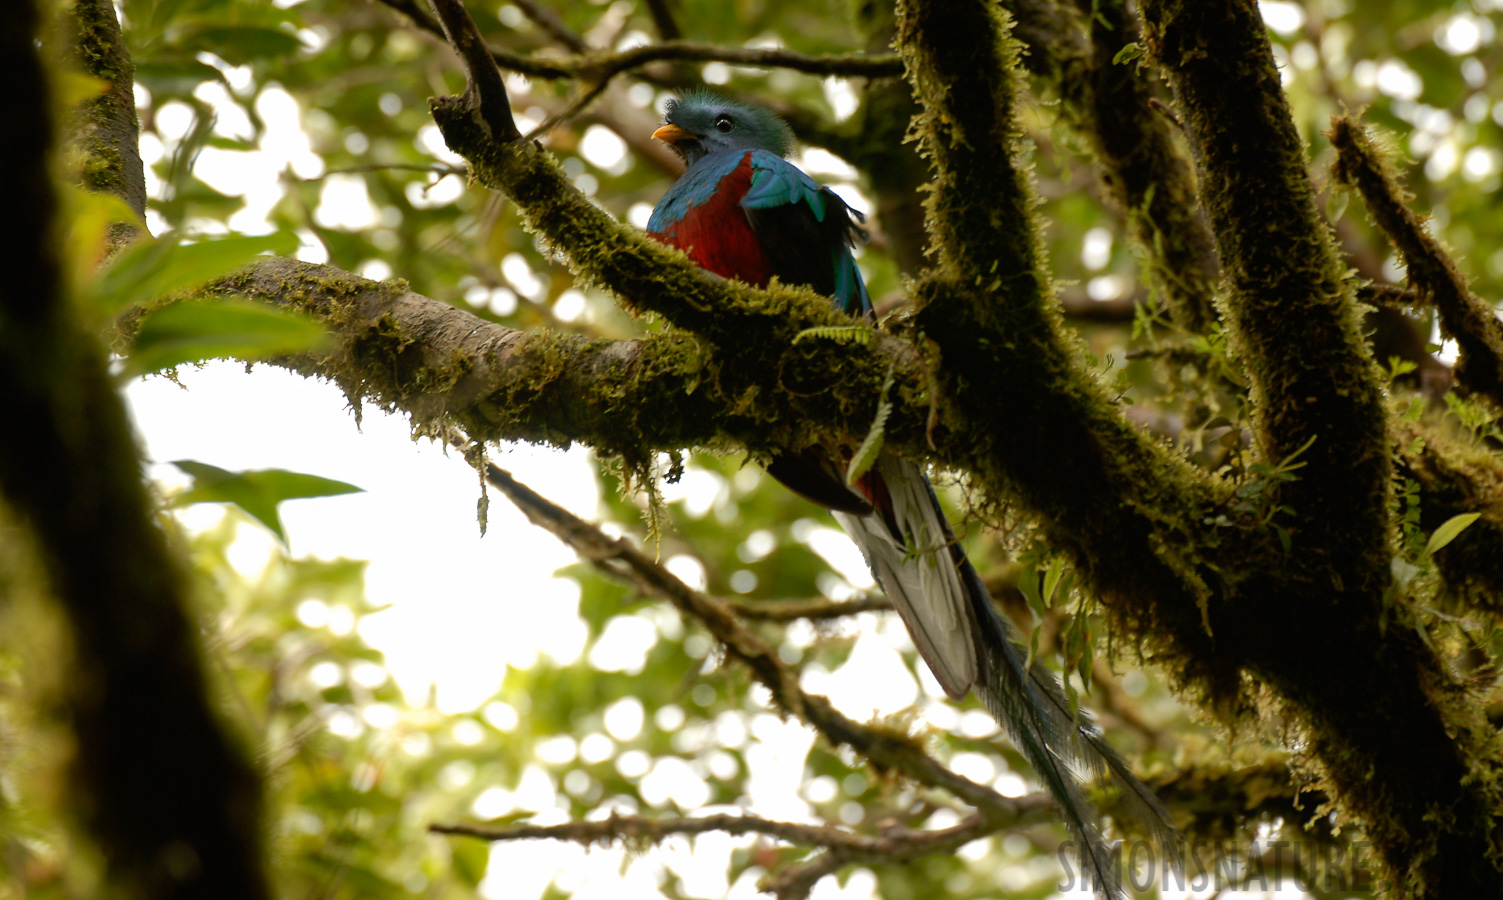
(1449, 529)
(871, 446)
(193, 332)
(1051, 578)
(89, 217)
(470, 859)
(1128, 53)
(153, 269)
(1336, 204)
(1028, 584)
(241, 45)
(173, 76)
(256, 491)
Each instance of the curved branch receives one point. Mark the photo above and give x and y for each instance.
(1432, 273)
(484, 89)
(617, 557)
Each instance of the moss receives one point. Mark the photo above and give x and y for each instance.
(1431, 271)
(106, 131)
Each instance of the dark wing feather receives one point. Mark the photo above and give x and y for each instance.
(803, 249)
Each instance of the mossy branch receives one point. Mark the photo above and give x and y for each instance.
(1456, 478)
(1141, 167)
(1127, 510)
(1432, 273)
(1295, 327)
(666, 391)
(106, 132)
(172, 802)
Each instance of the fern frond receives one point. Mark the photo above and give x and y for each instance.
(871, 446)
(843, 334)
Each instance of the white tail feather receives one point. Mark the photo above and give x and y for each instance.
(917, 571)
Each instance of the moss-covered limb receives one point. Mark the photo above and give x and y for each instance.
(618, 558)
(1222, 796)
(1431, 271)
(1458, 477)
(442, 366)
(173, 803)
(1050, 34)
(1295, 326)
(1143, 170)
(1400, 751)
(1129, 511)
(106, 132)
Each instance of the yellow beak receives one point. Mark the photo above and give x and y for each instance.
(672, 134)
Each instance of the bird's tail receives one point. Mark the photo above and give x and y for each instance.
(968, 646)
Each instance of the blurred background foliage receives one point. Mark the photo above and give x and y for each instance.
(311, 119)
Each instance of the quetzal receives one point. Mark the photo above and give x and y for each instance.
(743, 211)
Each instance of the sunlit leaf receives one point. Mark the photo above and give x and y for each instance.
(258, 492)
(241, 45)
(193, 332)
(1449, 529)
(156, 268)
(86, 241)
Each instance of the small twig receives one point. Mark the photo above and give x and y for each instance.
(437, 169)
(549, 21)
(791, 610)
(843, 848)
(1166, 111)
(638, 828)
(485, 88)
(848, 65)
(574, 107)
(608, 65)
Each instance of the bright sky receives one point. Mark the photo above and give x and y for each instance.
(463, 607)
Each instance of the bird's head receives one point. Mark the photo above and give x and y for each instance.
(701, 123)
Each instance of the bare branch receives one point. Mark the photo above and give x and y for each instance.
(793, 610)
(605, 66)
(617, 557)
(1432, 273)
(485, 90)
(892, 847)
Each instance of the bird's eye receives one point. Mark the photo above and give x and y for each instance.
(724, 125)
